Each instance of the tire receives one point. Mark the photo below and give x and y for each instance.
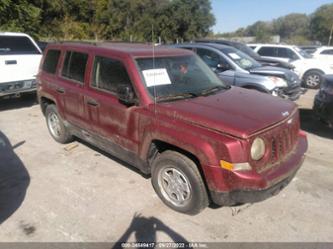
(313, 79)
(56, 125)
(188, 192)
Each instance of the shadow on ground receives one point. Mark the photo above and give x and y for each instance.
(18, 102)
(145, 231)
(14, 179)
(311, 124)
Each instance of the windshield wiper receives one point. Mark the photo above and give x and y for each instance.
(214, 89)
(177, 96)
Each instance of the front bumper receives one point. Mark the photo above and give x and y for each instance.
(292, 93)
(17, 87)
(232, 187)
(251, 196)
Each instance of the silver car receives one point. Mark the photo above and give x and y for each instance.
(236, 68)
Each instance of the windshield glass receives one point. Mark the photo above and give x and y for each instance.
(17, 45)
(303, 53)
(241, 59)
(178, 77)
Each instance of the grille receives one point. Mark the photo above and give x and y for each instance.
(280, 142)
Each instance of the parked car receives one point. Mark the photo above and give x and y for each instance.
(238, 69)
(165, 112)
(309, 69)
(19, 60)
(323, 103)
(310, 49)
(247, 50)
(325, 53)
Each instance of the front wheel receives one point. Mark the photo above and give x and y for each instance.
(313, 79)
(177, 181)
(56, 126)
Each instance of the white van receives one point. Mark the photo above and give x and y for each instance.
(19, 61)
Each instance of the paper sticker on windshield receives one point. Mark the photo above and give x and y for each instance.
(156, 77)
(234, 56)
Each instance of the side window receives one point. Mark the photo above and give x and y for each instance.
(328, 51)
(75, 66)
(267, 51)
(51, 61)
(287, 53)
(211, 58)
(108, 74)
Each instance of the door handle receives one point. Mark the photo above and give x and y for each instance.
(61, 90)
(92, 102)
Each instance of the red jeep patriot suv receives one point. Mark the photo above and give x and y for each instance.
(165, 112)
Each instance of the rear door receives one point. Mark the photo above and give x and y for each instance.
(19, 58)
(71, 87)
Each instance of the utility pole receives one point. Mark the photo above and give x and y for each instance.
(329, 40)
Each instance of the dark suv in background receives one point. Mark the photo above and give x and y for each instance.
(165, 112)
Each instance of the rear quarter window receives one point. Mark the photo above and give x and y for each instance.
(328, 51)
(51, 61)
(267, 51)
(17, 45)
(75, 66)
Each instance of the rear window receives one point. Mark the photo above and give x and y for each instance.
(51, 61)
(75, 66)
(17, 45)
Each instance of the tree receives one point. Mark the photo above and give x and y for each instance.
(292, 25)
(321, 23)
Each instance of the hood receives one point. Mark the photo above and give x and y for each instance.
(286, 74)
(238, 112)
(275, 62)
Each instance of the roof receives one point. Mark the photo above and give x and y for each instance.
(13, 34)
(203, 44)
(133, 49)
(271, 45)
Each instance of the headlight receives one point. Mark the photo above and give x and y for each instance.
(278, 82)
(257, 149)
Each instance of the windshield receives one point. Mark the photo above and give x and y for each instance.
(303, 53)
(241, 59)
(17, 45)
(178, 77)
(247, 50)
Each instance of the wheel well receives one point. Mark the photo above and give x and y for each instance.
(158, 146)
(313, 69)
(44, 102)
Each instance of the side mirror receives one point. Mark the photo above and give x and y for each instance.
(126, 94)
(221, 68)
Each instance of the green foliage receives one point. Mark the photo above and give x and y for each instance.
(108, 19)
(293, 28)
(321, 23)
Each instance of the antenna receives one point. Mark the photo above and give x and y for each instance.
(154, 86)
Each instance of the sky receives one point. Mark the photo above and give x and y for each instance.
(233, 14)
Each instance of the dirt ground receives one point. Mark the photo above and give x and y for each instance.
(54, 192)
